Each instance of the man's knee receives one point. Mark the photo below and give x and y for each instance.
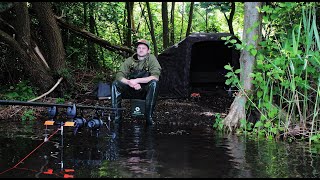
(153, 83)
(116, 83)
(119, 86)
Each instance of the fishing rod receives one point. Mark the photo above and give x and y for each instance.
(94, 123)
(24, 103)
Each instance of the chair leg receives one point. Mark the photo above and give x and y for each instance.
(116, 101)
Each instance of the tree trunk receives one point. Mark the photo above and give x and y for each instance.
(33, 64)
(133, 27)
(146, 20)
(190, 19)
(206, 21)
(165, 24)
(92, 54)
(247, 61)
(52, 35)
(129, 25)
(172, 40)
(85, 8)
(141, 16)
(230, 19)
(152, 30)
(182, 19)
(124, 26)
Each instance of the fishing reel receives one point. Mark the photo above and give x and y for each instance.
(52, 112)
(95, 123)
(71, 112)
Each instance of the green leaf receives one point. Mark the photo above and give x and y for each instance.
(233, 41)
(253, 52)
(228, 81)
(238, 46)
(228, 67)
(258, 124)
(238, 71)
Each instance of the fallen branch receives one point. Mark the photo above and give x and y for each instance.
(125, 51)
(58, 82)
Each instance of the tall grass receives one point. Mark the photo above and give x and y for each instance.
(286, 77)
(291, 79)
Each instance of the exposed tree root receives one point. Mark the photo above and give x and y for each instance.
(237, 112)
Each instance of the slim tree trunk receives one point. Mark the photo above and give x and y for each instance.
(125, 26)
(92, 54)
(247, 61)
(141, 16)
(230, 19)
(85, 8)
(165, 23)
(182, 19)
(172, 40)
(190, 19)
(152, 30)
(206, 21)
(129, 25)
(146, 22)
(133, 27)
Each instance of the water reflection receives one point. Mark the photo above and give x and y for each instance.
(134, 147)
(133, 150)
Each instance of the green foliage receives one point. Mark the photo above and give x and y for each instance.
(28, 115)
(232, 77)
(21, 91)
(107, 171)
(315, 138)
(245, 127)
(65, 73)
(218, 124)
(285, 76)
(60, 100)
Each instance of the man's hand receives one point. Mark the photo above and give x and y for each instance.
(137, 87)
(135, 83)
(132, 83)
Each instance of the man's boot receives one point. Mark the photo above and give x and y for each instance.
(116, 101)
(151, 98)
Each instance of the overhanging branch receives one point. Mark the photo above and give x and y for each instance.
(95, 39)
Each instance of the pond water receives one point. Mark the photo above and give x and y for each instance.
(32, 150)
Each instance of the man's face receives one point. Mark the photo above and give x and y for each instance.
(142, 50)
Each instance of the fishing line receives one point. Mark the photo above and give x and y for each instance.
(29, 153)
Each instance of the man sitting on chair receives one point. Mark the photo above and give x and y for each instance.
(137, 77)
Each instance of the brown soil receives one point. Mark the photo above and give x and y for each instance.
(189, 112)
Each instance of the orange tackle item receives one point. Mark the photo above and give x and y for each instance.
(67, 176)
(68, 123)
(50, 171)
(195, 95)
(49, 123)
(69, 170)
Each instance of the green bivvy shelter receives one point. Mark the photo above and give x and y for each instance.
(198, 60)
